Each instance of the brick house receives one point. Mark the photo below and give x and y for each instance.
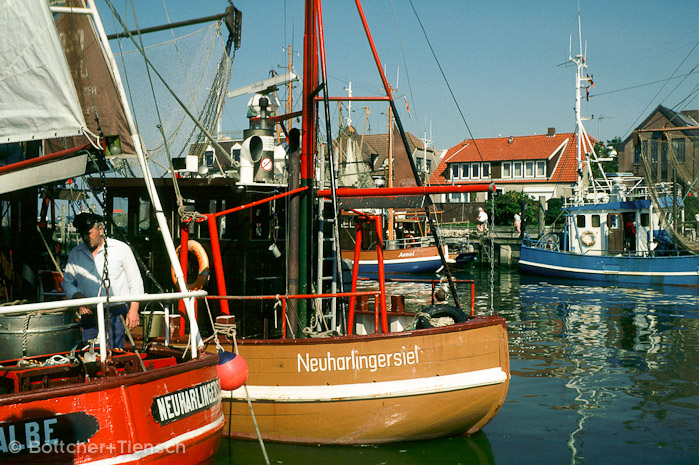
(538, 165)
(663, 150)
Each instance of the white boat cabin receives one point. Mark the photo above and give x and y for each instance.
(615, 228)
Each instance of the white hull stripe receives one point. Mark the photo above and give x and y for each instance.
(603, 272)
(170, 444)
(394, 261)
(366, 391)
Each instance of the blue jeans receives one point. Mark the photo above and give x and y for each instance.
(116, 328)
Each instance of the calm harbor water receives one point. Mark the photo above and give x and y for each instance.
(600, 375)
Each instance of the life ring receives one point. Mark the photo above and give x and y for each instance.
(588, 238)
(203, 261)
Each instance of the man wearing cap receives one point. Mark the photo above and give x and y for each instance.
(83, 277)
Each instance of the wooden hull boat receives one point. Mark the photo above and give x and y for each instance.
(410, 385)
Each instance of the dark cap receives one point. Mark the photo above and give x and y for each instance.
(85, 221)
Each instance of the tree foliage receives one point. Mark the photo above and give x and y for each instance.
(509, 203)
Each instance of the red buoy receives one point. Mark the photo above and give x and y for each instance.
(232, 370)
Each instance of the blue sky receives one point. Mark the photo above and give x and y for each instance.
(502, 59)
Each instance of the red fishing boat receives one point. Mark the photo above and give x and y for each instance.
(60, 402)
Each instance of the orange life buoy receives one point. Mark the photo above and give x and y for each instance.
(588, 238)
(203, 262)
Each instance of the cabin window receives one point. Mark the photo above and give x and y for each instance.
(486, 170)
(120, 214)
(507, 170)
(518, 169)
(678, 150)
(645, 220)
(476, 170)
(143, 227)
(581, 221)
(6, 210)
(529, 169)
(540, 169)
(595, 221)
(615, 223)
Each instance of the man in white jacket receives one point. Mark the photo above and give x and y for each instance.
(83, 277)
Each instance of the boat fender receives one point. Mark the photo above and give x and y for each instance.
(588, 238)
(232, 370)
(202, 260)
(439, 311)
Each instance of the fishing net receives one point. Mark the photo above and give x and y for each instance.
(194, 69)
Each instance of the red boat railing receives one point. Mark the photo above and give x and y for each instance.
(380, 312)
(285, 297)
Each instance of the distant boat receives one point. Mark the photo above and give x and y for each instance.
(617, 230)
(621, 243)
(410, 256)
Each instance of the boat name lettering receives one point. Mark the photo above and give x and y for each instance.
(355, 361)
(30, 435)
(406, 254)
(185, 402)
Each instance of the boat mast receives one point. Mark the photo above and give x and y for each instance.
(196, 341)
(579, 61)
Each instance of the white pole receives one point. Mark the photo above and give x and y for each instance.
(101, 332)
(150, 185)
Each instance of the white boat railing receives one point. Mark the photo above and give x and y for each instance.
(99, 302)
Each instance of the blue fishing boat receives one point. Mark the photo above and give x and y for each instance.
(619, 229)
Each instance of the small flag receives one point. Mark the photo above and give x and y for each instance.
(407, 107)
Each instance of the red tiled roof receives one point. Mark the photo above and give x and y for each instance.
(538, 147)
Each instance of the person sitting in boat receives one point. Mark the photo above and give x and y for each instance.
(482, 220)
(83, 277)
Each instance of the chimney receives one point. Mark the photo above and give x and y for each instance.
(552, 132)
(510, 140)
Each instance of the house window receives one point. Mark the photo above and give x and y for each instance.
(464, 171)
(486, 170)
(529, 169)
(663, 160)
(637, 155)
(455, 197)
(475, 170)
(678, 150)
(507, 170)
(540, 169)
(455, 171)
(518, 170)
(429, 166)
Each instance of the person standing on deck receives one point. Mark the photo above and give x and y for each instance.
(482, 220)
(517, 225)
(83, 277)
